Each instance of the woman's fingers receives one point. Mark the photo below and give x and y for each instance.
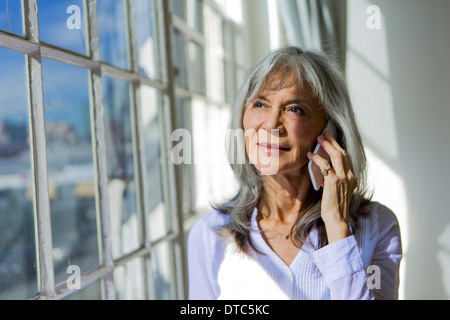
(339, 185)
(339, 162)
(336, 157)
(321, 162)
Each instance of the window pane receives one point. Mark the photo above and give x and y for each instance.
(112, 31)
(17, 245)
(152, 141)
(194, 14)
(239, 48)
(70, 167)
(129, 281)
(148, 40)
(197, 68)
(227, 37)
(11, 16)
(91, 292)
(183, 121)
(178, 8)
(229, 81)
(214, 55)
(179, 59)
(61, 23)
(161, 270)
(119, 151)
(203, 145)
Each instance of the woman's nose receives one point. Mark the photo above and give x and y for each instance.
(274, 120)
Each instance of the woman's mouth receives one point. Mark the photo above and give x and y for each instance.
(272, 148)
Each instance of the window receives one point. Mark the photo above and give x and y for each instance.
(92, 205)
(17, 233)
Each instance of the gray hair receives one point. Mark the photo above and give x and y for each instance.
(327, 82)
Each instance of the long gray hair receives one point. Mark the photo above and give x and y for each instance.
(327, 82)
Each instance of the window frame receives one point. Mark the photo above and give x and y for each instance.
(36, 50)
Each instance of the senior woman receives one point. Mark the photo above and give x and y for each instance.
(279, 237)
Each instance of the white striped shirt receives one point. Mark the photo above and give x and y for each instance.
(362, 266)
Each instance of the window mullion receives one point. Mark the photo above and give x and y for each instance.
(175, 173)
(99, 151)
(44, 246)
(138, 147)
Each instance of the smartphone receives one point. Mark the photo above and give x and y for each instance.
(314, 170)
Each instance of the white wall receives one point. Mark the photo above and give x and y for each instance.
(399, 78)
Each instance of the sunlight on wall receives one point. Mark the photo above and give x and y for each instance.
(368, 75)
(390, 191)
(369, 83)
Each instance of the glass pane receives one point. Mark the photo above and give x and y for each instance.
(112, 31)
(227, 37)
(197, 68)
(214, 55)
(229, 81)
(179, 59)
(239, 48)
(178, 8)
(194, 14)
(202, 147)
(61, 23)
(129, 281)
(147, 37)
(70, 167)
(119, 152)
(152, 141)
(161, 271)
(18, 278)
(184, 122)
(11, 16)
(91, 292)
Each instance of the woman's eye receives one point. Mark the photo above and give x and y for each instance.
(295, 110)
(258, 105)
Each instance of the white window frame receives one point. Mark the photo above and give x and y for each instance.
(35, 51)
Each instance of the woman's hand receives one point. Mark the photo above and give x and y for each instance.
(338, 187)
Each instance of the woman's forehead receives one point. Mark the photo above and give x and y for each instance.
(275, 82)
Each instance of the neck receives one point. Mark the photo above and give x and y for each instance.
(284, 196)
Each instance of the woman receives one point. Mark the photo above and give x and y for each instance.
(279, 238)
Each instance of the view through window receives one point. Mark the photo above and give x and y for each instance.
(90, 92)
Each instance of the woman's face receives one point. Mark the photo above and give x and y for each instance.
(281, 126)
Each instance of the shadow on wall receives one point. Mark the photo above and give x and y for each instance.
(418, 82)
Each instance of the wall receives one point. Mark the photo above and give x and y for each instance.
(399, 78)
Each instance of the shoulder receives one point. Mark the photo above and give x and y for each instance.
(381, 216)
(211, 221)
(378, 232)
(379, 226)
(207, 227)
